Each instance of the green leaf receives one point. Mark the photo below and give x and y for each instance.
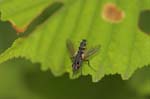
(140, 81)
(20, 79)
(124, 48)
(22, 11)
(13, 84)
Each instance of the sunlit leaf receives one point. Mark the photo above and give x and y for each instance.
(140, 81)
(21, 12)
(124, 48)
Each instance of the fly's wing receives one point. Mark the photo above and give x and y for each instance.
(70, 48)
(91, 52)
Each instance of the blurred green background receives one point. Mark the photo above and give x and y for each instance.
(21, 79)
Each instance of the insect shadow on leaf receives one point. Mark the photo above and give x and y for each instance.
(81, 55)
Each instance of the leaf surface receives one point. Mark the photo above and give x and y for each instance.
(124, 48)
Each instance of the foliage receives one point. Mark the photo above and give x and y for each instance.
(124, 48)
(47, 24)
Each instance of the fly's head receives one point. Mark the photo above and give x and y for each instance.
(83, 43)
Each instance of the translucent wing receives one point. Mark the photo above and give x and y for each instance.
(91, 52)
(70, 48)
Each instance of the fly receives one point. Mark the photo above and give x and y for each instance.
(81, 55)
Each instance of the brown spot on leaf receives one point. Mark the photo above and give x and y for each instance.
(112, 13)
(17, 29)
(13, 25)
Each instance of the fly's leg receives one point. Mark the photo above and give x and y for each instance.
(90, 65)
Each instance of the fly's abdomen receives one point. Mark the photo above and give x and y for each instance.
(77, 62)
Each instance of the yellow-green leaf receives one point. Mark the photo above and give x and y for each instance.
(124, 48)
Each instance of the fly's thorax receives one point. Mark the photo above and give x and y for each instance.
(83, 44)
(82, 48)
(83, 56)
